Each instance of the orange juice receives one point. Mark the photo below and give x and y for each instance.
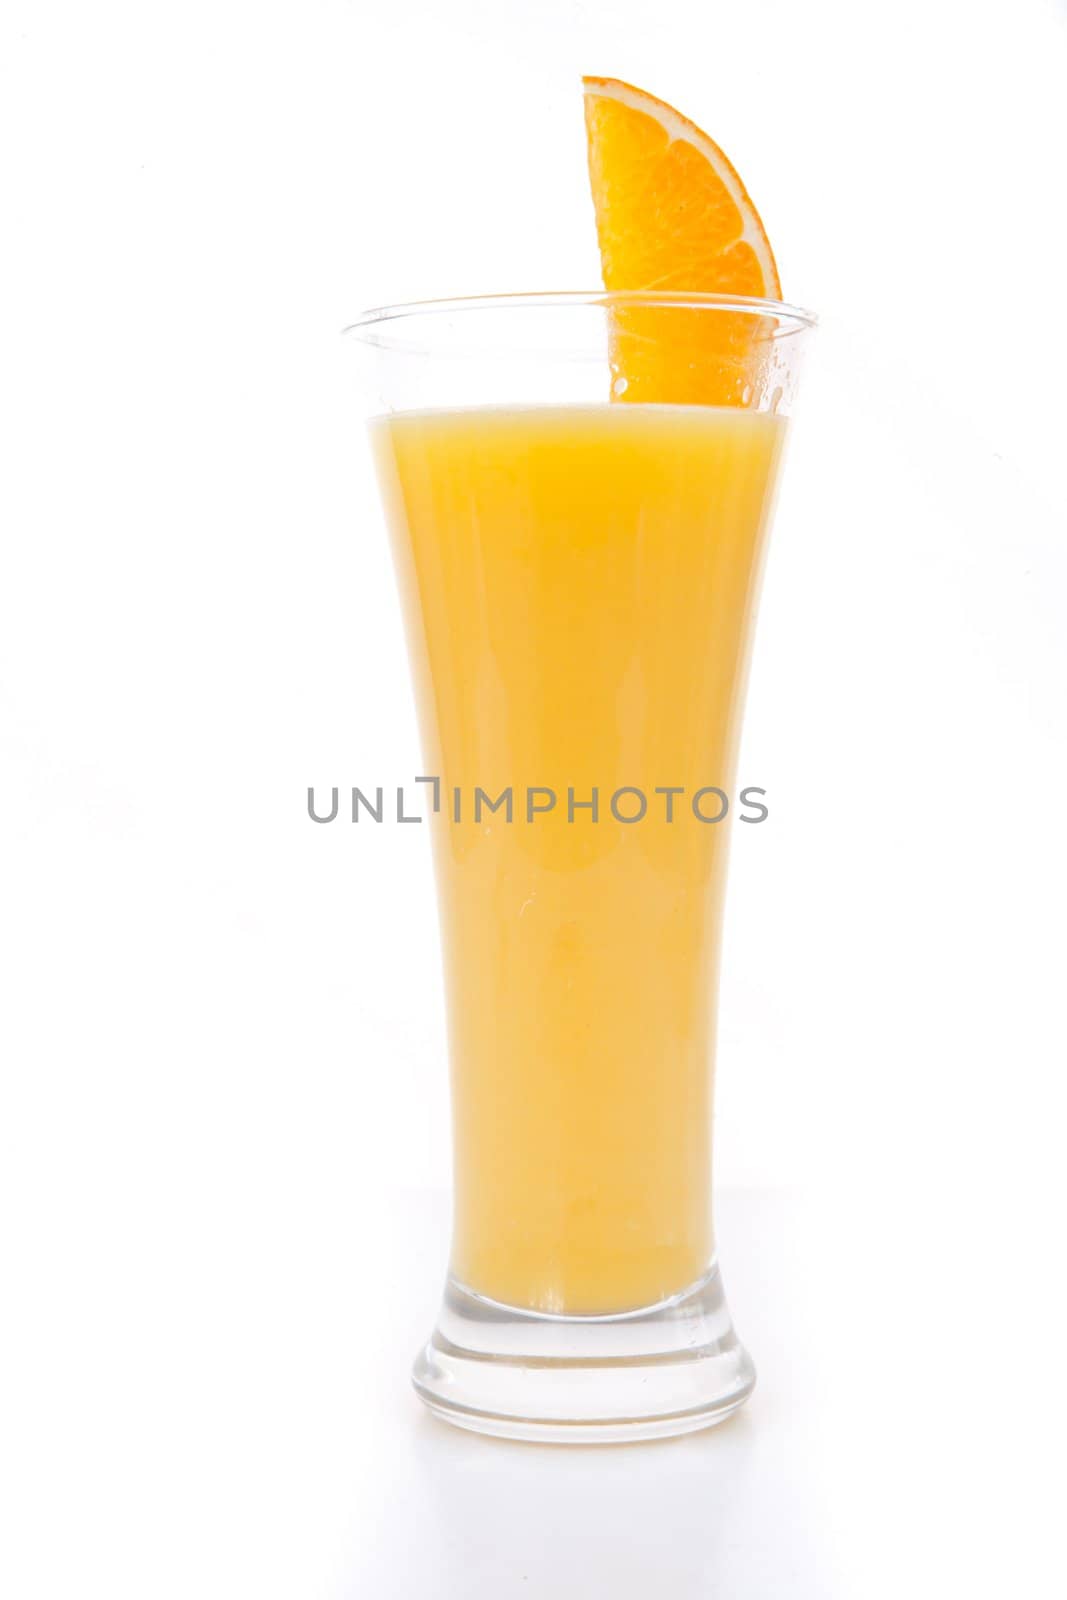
(579, 585)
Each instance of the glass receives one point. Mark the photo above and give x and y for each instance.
(579, 570)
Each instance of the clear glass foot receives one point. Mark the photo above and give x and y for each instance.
(664, 1369)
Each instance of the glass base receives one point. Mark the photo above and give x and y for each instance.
(646, 1374)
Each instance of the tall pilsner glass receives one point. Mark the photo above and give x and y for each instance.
(579, 572)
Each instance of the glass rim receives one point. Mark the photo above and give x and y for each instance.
(368, 325)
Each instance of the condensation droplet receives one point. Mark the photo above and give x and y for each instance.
(620, 386)
(746, 395)
(777, 396)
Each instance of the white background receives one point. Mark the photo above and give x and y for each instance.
(224, 1159)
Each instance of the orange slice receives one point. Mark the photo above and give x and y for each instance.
(672, 214)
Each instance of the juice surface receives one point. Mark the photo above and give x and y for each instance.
(579, 584)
